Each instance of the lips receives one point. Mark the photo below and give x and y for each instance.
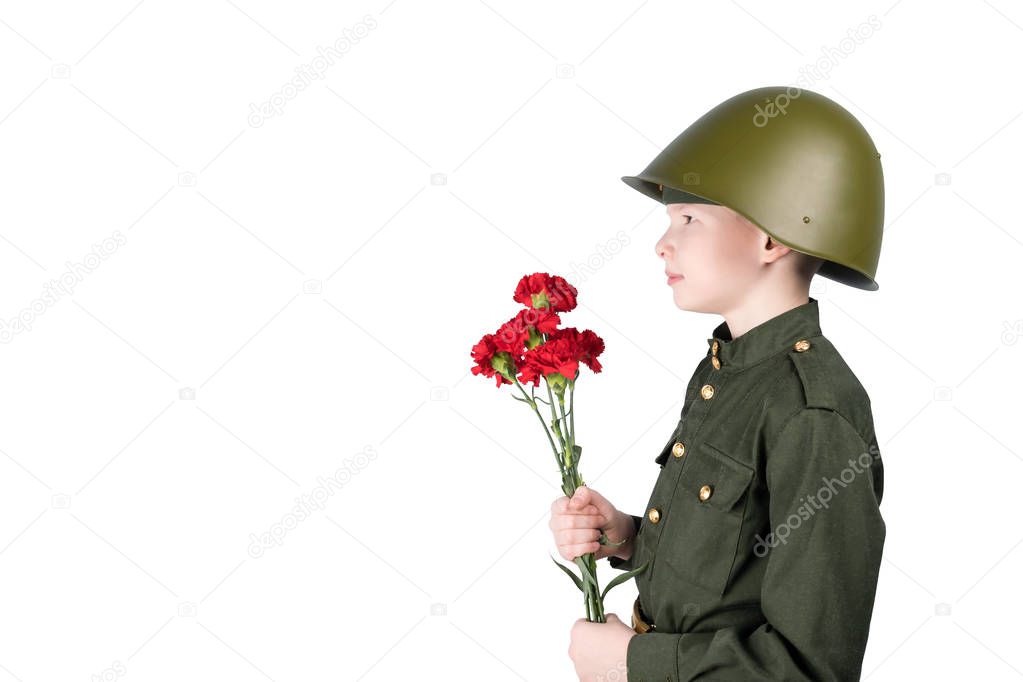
(673, 277)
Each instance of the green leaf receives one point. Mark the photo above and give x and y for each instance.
(534, 340)
(603, 539)
(573, 576)
(622, 578)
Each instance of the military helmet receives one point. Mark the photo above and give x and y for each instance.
(795, 163)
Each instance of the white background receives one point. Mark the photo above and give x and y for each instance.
(284, 300)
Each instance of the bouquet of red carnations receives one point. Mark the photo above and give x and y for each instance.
(528, 347)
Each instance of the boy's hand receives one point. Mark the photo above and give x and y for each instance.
(600, 650)
(578, 522)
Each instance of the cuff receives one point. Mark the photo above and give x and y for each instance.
(652, 657)
(621, 564)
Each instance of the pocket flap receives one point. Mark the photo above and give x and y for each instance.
(666, 450)
(728, 478)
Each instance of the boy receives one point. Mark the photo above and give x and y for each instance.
(763, 534)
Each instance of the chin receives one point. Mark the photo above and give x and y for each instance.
(692, 304)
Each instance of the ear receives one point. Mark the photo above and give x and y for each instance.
(773, 250)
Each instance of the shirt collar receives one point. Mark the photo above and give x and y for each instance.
(777, 334)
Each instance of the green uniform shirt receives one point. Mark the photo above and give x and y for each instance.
(763, 530)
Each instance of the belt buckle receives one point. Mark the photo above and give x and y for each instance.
(639, 624)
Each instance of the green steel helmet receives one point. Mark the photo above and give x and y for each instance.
(795, 163)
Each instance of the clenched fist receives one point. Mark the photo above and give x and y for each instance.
(578, 522)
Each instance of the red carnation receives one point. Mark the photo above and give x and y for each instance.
(514, 334)
(561, 354)
(541, 290)
(530, 346)
(591, 346)
(484, 353)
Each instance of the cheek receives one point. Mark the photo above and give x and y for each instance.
(704, 257)
(727, 261)
(728, 256)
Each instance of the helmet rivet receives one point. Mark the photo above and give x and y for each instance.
(806, 219)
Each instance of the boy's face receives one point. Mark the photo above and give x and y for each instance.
(719, 253)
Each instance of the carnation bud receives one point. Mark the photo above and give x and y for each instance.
(535, 338)
(502, 363)
(557, 381)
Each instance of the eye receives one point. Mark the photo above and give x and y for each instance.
(690, 219)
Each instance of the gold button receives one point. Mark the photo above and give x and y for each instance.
(679, 449)
(660, 188)
(802, 345)
(714, 347)
(707, 391)
(714, 361)
(654, 515)
(705, 493)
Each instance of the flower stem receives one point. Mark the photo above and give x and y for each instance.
(536, 410)
(570, 480)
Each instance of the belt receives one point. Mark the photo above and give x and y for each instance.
(640, 623)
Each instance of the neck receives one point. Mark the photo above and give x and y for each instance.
(760, 307)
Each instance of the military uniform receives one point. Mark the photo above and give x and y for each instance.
(763, 530)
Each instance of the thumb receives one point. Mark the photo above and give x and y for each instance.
(581, 497)
(612, 618)
(585, 495)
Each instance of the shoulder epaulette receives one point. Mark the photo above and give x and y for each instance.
(813, 373)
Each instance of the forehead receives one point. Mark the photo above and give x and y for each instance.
(717, 212)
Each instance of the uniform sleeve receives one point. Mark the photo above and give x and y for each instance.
(626, 564)
(825, 487)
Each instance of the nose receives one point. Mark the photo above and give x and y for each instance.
(662, 248)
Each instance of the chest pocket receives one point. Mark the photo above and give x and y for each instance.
(700, 539)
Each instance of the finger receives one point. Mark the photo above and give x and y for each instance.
(589, 496)
(600, 502)
(580, 498)
(577, 521)
(570, 552)
(571, 540)
(588, 509)
(577, 536)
